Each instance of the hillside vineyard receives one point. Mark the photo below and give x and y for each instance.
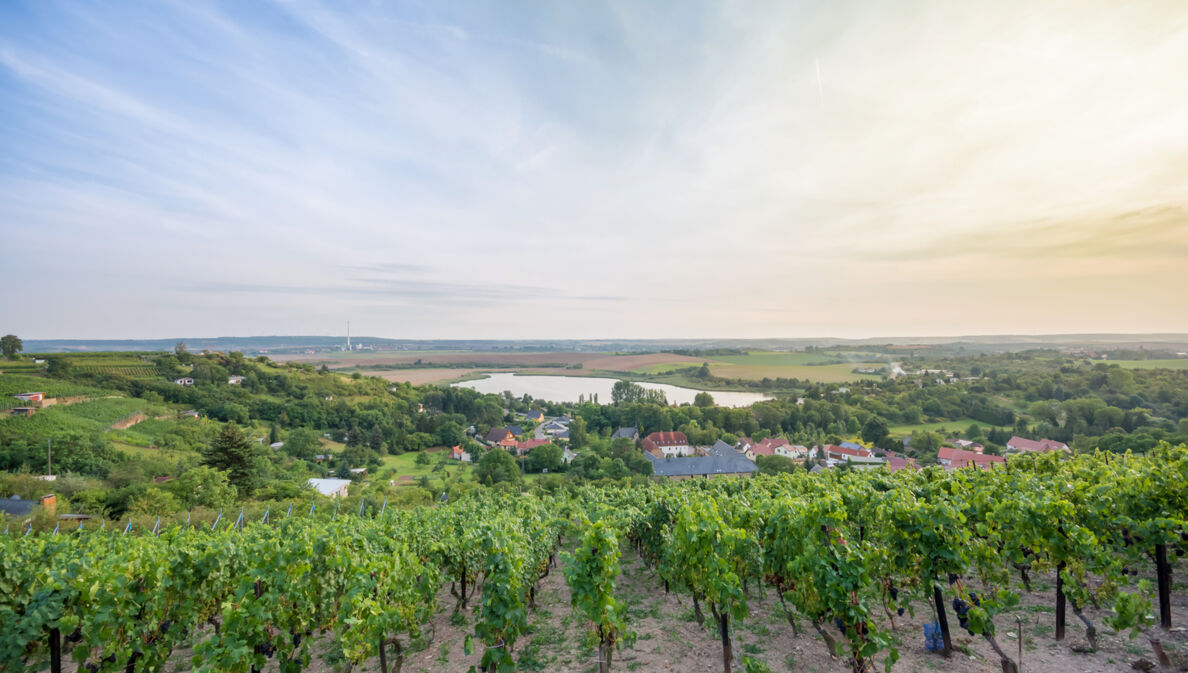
(845, 551)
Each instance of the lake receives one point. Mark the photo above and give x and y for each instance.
(568, 388)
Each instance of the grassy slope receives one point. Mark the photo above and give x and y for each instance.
(953, 427)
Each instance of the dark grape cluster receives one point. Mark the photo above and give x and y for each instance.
(962, 610)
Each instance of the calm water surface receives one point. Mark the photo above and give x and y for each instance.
(568, 388)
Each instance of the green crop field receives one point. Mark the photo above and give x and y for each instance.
(837, 373)
(1180, 363)
(140, 371)
(765, 359)
(11, 384)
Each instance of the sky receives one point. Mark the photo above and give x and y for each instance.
(593, 169)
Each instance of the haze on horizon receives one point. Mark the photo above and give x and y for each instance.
(549, 170)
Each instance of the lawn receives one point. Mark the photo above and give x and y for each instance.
(1180, 363)
(952, 427)
(405, 465)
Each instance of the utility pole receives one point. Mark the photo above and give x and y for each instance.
(49, 456)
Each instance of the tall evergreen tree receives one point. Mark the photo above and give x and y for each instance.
(231, 451)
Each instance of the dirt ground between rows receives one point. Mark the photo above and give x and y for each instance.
(670, 641)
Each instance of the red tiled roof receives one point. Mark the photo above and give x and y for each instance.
(531, 443)
(1021, 444)
(669, 438)
(845, 451)
(654, 441)
(959, 458)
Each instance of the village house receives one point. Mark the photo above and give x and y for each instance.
(18, 508)
(235, 380)
(966, 444)
(794, 451)
(184, 381)
(843, 453)
(897, 463)
(626, 433)
(722, 461)
(771, 446)
(1031, 445)
(554, 427)
(535, 416)
(30, 397)
(522, 448)
(503, 437)
(331, 488)
(189, 413)
(458, 454)
(954, 459)
(665, 444)
(22, 411)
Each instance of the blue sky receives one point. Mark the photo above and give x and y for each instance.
(530, 170)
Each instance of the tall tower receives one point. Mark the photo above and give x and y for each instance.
(348, 335)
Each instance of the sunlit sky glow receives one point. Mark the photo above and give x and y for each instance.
(572, 169)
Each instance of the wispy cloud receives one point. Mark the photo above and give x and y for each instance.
(645, 169)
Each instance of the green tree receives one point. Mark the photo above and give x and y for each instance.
(875, 431)
(577, 433)
(58, 367)
(925, 444)
(231, 451)
(203, 486)
(450, 433)
(302, 443)
(10, 345)
(154, 502)
(703, 399)
(775, 464)
(497, 466)
(543, 457)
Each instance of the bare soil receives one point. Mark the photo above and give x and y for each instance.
(623, 363)
(422, 376)
(669, 640)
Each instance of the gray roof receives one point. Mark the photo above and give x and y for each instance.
(15, 506)
(701, 465)
(721, 448)
(628, 432)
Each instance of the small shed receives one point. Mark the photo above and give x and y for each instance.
(331, 488)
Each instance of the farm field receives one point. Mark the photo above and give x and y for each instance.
(1181, 363)
(766, 359)
(837, 373)
(423, 376)
(630, 363)
(651, 366)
